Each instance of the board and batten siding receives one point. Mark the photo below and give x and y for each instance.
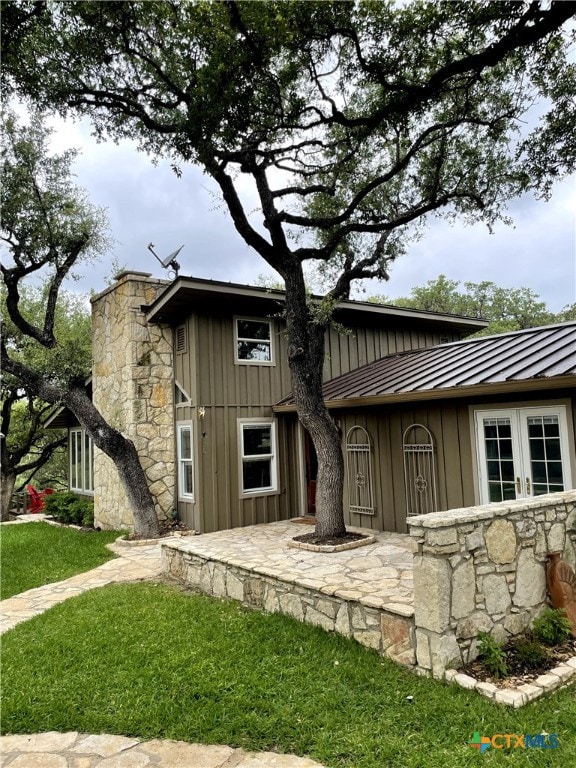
(358, 346)
(225, 391)
(386, 426)
(452, 428)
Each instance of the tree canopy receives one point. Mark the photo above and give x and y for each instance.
(48, 227)
(507, 309)
(351, 123)
(352, 120)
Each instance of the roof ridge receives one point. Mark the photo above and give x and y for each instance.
(502, 335)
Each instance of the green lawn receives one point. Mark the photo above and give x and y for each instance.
(153, 661)
(33, 554)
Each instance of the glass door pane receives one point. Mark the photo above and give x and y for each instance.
(499, 458)
(522, 452)
(545, 470)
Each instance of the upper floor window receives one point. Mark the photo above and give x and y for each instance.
(253, 339)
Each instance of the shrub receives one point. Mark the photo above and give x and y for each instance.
(492, 654)
(529, 653)
(67, 507)
(551, 627)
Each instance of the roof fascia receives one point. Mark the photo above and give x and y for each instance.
(500, 388)
(232, 289)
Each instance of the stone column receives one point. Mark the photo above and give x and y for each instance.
(133, 387)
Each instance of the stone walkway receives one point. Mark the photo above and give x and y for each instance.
(82, 750)
(135, 564)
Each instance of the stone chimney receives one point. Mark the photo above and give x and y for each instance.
(133, 387)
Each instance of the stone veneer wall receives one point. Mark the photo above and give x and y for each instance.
(484, 569)
(391, 634)
(133, 387)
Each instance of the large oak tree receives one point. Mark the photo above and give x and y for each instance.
(351, 122)
(48, 227)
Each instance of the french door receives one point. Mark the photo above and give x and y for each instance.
(522, 452)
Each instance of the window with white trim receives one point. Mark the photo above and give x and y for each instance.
(253, 341)
(181, 397)
(185, 454)
(81, 452)
(258, 452)
(522, 452)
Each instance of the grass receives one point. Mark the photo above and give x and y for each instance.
(33, 554)
(153, 661)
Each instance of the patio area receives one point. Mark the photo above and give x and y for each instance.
(366, 593)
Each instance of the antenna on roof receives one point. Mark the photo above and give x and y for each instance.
(169, 262)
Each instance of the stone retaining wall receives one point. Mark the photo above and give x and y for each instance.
(388, 633)
(133, 387)
(484, 569)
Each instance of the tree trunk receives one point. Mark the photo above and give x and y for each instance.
(306, 341)
(125, 457)
(121, 450)
(7, 483)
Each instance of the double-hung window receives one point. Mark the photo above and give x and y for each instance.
(185, 462)
(81, 461)
(258, 452)
(253, 340)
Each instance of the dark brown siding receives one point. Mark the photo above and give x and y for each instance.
(355, 346)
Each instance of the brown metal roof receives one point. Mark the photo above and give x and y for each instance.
(520, 360)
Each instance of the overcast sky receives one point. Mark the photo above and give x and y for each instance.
(148, 203)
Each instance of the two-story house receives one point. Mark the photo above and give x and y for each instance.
(195, 372)
(191, 371)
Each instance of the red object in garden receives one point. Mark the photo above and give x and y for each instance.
(37, 498)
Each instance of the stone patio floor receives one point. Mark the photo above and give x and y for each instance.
(377, 575)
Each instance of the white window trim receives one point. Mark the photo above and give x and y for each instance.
(254, 422)
(81, 438)
(520, 449)
(270, 324)
(188, 400)
(180, 427)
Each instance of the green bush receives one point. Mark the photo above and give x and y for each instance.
(67, 507)
(529, 653)
(551, 627)
(492, 654)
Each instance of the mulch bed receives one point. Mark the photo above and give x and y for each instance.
(519, 673)
(332, 541)
(166, 529)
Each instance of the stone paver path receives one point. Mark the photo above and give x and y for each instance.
(135, 564)
(379, 575)
(82, 750)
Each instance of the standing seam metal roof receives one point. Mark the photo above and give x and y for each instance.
(535, 353)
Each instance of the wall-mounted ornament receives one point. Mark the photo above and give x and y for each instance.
(561, 582)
